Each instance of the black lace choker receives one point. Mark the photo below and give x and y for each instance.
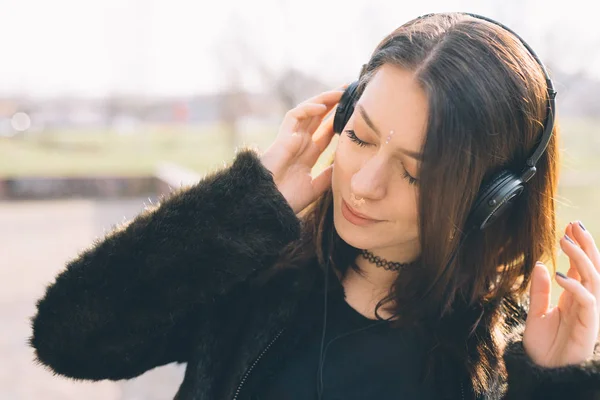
(385, 264)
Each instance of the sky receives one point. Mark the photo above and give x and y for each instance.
(185, 47)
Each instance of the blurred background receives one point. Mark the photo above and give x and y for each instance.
(107, 104)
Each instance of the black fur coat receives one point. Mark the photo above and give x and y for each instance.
(175, 285)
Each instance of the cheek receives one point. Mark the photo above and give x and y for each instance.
(401, 200)
(343, 164)
(340, 161)
(411, 211)
(348, 154)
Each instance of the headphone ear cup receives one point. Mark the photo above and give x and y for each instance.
(345, 108)
(495, 198)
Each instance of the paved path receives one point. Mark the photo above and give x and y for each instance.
(36, 239)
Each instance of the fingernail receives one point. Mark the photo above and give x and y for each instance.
(569, 239)
(561, 275)
(581, 225)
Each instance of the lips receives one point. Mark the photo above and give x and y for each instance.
(359, 215)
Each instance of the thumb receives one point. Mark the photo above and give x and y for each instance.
(539, 293)
(322, 181)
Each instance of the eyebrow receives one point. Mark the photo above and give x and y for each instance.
(363, 113)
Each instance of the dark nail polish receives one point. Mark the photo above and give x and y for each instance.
(569, 239)
(561, 275)
(581, 225)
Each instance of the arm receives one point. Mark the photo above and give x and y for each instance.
(131, 301)
(527, 380)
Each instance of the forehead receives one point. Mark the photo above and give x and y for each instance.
(394, 100)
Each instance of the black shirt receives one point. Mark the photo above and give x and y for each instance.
(364, 359)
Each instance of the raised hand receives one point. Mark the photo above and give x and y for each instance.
(302, 138)
(566, 334)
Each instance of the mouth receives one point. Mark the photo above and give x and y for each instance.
(355, 217)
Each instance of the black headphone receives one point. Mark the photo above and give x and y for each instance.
(493, 199)
(496, 196)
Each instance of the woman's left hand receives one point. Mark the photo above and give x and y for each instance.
(566, 334)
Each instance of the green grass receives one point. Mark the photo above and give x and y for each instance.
(90, 153)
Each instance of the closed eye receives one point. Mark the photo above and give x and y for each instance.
(410, 179)
(352, 135)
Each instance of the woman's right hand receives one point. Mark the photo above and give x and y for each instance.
(302, 138)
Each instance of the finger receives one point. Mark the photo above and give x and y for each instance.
(295, 117)
(330, 97)
(321, 139)
(588, 311)
(330, 100)
(539, 293)
(590, 278)
(308, 118)
(322, 181)
(323, 135)
(586, 241)
(572, 272)
(569, 230)
(317, 121)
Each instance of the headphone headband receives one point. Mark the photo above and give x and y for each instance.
(531, 162)
(495, 196)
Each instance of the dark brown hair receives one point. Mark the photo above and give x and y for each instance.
(487, 103)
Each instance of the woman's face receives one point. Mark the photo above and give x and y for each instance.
(377, 159)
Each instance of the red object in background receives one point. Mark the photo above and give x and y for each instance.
(181, 112)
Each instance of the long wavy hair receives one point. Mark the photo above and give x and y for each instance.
(487, 103)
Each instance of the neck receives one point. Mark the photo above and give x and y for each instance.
(373, 277)
(364, 289)
(378, 276)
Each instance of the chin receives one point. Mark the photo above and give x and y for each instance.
(369, 237)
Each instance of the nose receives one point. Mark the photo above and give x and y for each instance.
(370, 181)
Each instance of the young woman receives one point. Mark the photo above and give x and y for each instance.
(402, 271)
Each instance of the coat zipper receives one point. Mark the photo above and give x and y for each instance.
(462, 391)
(249, 370)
